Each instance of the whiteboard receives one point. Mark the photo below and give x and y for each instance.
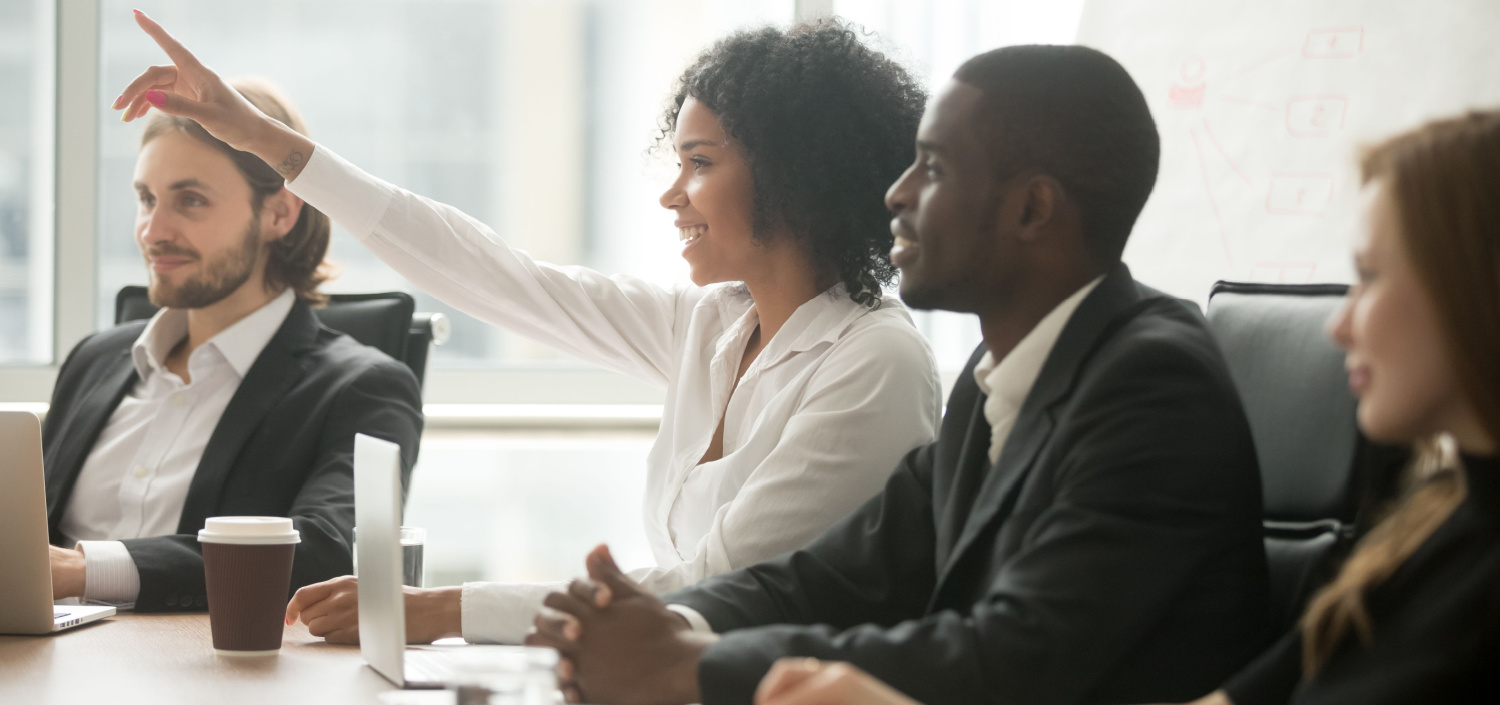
(1262, 107)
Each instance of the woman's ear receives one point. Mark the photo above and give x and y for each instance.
(279, 214)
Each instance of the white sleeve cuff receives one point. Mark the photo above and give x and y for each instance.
(501, 613)
(344, 193)
(698, 623)
(109, 574)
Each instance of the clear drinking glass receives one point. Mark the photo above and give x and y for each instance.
(413, 542)
(504, 675)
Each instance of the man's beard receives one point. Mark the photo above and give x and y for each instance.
(220, 277)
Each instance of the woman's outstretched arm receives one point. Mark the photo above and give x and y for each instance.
(619, 322)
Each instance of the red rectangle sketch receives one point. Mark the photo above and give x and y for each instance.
(1334, 43)
(1315, 115)
(1284, 272)
(1299, 194)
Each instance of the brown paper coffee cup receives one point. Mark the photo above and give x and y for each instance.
(247, 565)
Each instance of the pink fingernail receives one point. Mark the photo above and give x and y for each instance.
(138, 12)
(116, 105)
(156, 98)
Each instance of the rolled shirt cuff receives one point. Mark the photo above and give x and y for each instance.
(501, 613)
(694, 619)
(110, 576)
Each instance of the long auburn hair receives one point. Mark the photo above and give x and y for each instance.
(1444, 178)
(296, 260)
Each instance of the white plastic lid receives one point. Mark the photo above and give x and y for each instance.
(249, 530)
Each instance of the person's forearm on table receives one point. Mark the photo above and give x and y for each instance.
(436, 613)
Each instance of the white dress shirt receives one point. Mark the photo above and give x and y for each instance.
(1007, 383)
(136, 478)
(1005, 386)
(813, 429)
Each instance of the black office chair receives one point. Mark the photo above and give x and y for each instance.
(382, 321)
(1302, 415)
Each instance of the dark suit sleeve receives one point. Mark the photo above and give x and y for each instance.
(1138, 507)
(873, 566)
(384, 402)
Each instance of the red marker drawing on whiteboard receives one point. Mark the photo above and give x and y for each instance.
(1188, 93)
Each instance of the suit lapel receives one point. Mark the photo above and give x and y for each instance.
(969, 473)
(83, 430)
(275, 371)
(1004, 480)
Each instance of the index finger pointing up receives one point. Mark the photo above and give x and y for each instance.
(175, 50)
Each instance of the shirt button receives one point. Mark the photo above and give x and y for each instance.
(142, 472)
(176, 400)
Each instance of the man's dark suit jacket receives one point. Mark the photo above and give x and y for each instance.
(284, 447)
(1112, 555)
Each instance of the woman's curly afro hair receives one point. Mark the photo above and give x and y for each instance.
(826, 124)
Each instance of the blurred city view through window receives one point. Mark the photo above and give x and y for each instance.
(26, 118)
(533, 117)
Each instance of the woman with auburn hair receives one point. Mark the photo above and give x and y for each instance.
(793, 387)
(1414, 614)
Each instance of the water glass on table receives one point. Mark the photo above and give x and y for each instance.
(413, 542)
(504, 675)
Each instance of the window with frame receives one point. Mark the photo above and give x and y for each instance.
(532, 117)
(26, 127)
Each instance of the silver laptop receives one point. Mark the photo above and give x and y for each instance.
(25, 568)
(382, 609)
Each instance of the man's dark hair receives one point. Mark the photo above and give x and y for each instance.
(827, 124)
(1072, 113)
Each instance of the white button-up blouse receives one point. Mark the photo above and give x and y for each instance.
(813, 429)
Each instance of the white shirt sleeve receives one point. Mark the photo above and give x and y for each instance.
(110, 575)
(501, 613)
(694, 619)
(827, 461)
(619, 322)
(825, 465)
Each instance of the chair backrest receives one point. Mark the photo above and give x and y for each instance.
(383, 321)
(1302, 415)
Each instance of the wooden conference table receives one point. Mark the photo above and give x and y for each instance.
(165, 659)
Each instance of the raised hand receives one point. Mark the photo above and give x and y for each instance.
(190, 89)
(620, 644)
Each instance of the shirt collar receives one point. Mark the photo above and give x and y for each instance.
(822, 319)
(240, 344)
(1012, 377)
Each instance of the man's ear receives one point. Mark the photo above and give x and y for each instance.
(1041, 200)
(279, 214)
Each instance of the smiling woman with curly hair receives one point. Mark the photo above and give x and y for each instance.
(827, 125)
(792, 386)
